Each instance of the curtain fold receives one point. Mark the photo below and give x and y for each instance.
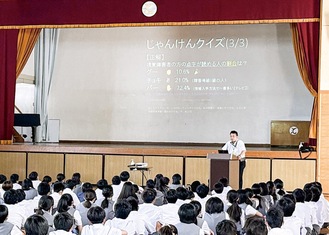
(45, 53)
(305, 38)
(8, 53)
(25, 44)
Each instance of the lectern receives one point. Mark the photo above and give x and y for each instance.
(221, 165)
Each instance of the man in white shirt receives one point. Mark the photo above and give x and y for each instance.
(290, 222)
(237, 149)
(63, 223)
(274, 219)
(70, 184)
(169, 211)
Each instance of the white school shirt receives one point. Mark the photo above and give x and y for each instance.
(100, 229)
(302, 211)
(292, 223)
(279, 231)
(123, 224)
(325, 208)
(152, 212)
(76, 200)
(60, 232)
(16, 215)
(169, 213)
(235, 148)
(142, 223)
(56, 197)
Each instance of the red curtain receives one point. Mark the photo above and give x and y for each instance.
(8, 53)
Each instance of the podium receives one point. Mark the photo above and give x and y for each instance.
(221, 165)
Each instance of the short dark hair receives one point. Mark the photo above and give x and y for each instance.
(182, 193)
(149, 195)
(256, 226)
(43, 188)
(218, 187)
(124, 176)
(122, 209)
(234, 132)
(116, 180)
(133, 202)
(47, 179)
(214, 205)
(194, 185)
(150, 183)
(45, 203)
(58, 186)
(226, 227)
(197, 206)
(7, 185)
(60, 177)
(176, 178)
(202, 190)
(76, 177)
(299, 195)
(3, 178)
(96, 215)
(187, 213)
(3, 213)
(171, 196)
(14, 178)
(10, 197)
(274, 217)
(63, 221)
(224, 181)
(36, 224)
(287, 206)
(278, 183)
(316, 193)
(33, 175)
(20, 195)
(102, 183)
(86, 186)
(71, 183)
(64, 203)
(168, 229)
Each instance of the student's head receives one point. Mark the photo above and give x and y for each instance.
(202, 190)
(96, 215)
(264, 189)
(86, 186)
(224, 181)
(76, 177)
(232, 196)
(165, 180)
(45, 203)
(64, 203)
(58, 187)
(256, 226)
(63, 221)
(116, 180)
(47, 179)
(234, 135)
(7, 185)
(3, 213)
(60, 177)
(133, 202)
(20, 195)
(176, 178)
(187, 214)
(299, 195)
(90, 197)
(102, 183)
(287, 206)
(27, 184)
(219, 187)
(124, 176)
(191, 195)
(168, 229)
(3, 178)
(127, 191)
(14, 178)
(290, 196)
(308, 194)
(107, 191)
(150, 183)
(182, 193)
(226, 227)
(149, 195)
(122, 209)
(256, 189)
(33, 175)
(271, 187)
(197, 207)
(194, 185)
(316, 194)
(278, 183)
(10, 197)
(243, 197)
(70, 184)
(214, 205)
(36, 225)
(274, 217)
(171, 196)
(43, 188)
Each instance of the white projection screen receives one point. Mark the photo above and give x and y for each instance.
(183, 84)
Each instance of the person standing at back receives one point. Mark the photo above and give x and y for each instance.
(237, 149)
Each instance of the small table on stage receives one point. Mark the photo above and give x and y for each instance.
(143, 170)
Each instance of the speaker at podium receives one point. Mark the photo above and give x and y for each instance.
(222, 165)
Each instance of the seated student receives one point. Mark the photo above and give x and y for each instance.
(83, 207)
(257, 199)
(218, 192)
(312, 208)
(149, 209)
(100, 185)
(226, 185)
(30, 192)
(124, 177)
(58, 188)
(234, 211)
(76, 178)
(203, 192)
(320, 203)
(36, 224)
(289, 221)
(60, 178)
(193, 187)
(199, 218)
(182, 195)
(34, 177)
(116, 187)
(3, 178)
(70, 185)
(324, 205)
(45, 209)
(142, 222)
(47, 179)
(161, 184)
(43, 190)
(214, 213)
(63, 223)
(274, 219)
(187, 218)
(272, 190)
(7, 185)
(167, 229)
(6, 227)
(279, 188)
(138, 192)
(176, 178)
(267, 201)
(302, 211)
(17, 214)
(255, 226)
(159, 199)
(169, 211)
(14, 179)
(127, 190)
(226, 227)
(106, 202)
(65, 204)
(97, 217)
(85, 187)
(122, 210)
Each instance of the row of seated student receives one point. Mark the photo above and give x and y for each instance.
(160, 208)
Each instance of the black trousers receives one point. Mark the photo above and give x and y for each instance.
(242, 165)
